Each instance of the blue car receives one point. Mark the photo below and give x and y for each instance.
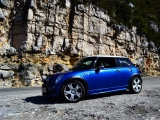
(94, 75)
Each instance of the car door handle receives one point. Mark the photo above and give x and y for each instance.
(117, 70)
(130, 69)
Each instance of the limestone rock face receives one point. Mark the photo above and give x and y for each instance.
(47, 34)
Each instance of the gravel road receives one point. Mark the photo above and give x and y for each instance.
(27, 104)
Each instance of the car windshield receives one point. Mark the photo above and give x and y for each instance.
(84, 63)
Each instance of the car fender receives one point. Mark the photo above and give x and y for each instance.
(134, 75)
(78, 78)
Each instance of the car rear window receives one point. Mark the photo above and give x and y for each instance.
(123, 62)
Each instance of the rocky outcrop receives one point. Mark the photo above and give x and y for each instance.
(37, 35)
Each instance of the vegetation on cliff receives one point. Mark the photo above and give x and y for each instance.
(144, 14)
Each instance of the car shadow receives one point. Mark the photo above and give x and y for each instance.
(50, 100)
(42, 100)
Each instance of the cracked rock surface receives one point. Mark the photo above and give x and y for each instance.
(41, 33)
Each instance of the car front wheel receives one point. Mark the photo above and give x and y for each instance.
(135, 85)
(73, 91)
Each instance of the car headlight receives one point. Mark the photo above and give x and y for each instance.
(59, 78)
(47, 79)
(43, 78)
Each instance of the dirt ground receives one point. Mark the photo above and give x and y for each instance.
(29, 104)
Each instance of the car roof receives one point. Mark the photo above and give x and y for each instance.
(107, 56)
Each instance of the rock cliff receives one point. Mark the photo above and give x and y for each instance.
(41, 37)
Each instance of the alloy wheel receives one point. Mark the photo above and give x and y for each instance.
(137, 85)
(73, 91)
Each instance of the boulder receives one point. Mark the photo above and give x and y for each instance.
(2, 17)
(145, 43)
(29, 72)
(3, 3)
(59, 68)
(6, 74)
(5, 84)
(153, 26)
(152, 47)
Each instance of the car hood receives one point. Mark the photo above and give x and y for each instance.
(67, 74)
(71, 72)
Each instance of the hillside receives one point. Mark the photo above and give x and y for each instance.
(144, 14)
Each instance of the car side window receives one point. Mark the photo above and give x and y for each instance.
(84, 63)
(124, 62)
(106, 62)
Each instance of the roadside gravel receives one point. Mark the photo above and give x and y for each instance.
(110, 106)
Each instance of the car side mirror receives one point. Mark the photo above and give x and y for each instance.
(98, 67)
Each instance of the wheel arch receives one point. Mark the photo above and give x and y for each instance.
(83, 81)
(134, 75)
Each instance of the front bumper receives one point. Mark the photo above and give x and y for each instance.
(50, 90)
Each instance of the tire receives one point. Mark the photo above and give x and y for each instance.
(73, 91)
(135, 85)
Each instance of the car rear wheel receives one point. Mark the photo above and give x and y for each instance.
(73, 91)
(135, 85)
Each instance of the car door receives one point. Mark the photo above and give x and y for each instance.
(106, 77)
(125, 67)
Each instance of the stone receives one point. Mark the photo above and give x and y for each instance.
(144, 43)
(59, 68)
(68, 3)
(40, 16)
(131, 5)
(29, 72)
(49, 30)
(46, 60)
(94, 25)
(140, 62)
(6, 13)
(103, 26)
(72, 50)
(2, 31)
(40, 41)
(151, 46)
(153, 26)
(86, 23)
(27, 45)
(30, 14)
(81, 8)
(51, 17)
(31, 28)
(5, 84)
(32, 3)
(2, 17)
(61, 11)
(78, 22)
(60, 19)
(131, 47)
(4, 66)
(6, 74)
(58, 43)
(89, 50)
(3, 3)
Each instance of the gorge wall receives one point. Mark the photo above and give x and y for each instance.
(41, 37)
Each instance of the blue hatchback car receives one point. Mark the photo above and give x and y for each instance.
(94, 75)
